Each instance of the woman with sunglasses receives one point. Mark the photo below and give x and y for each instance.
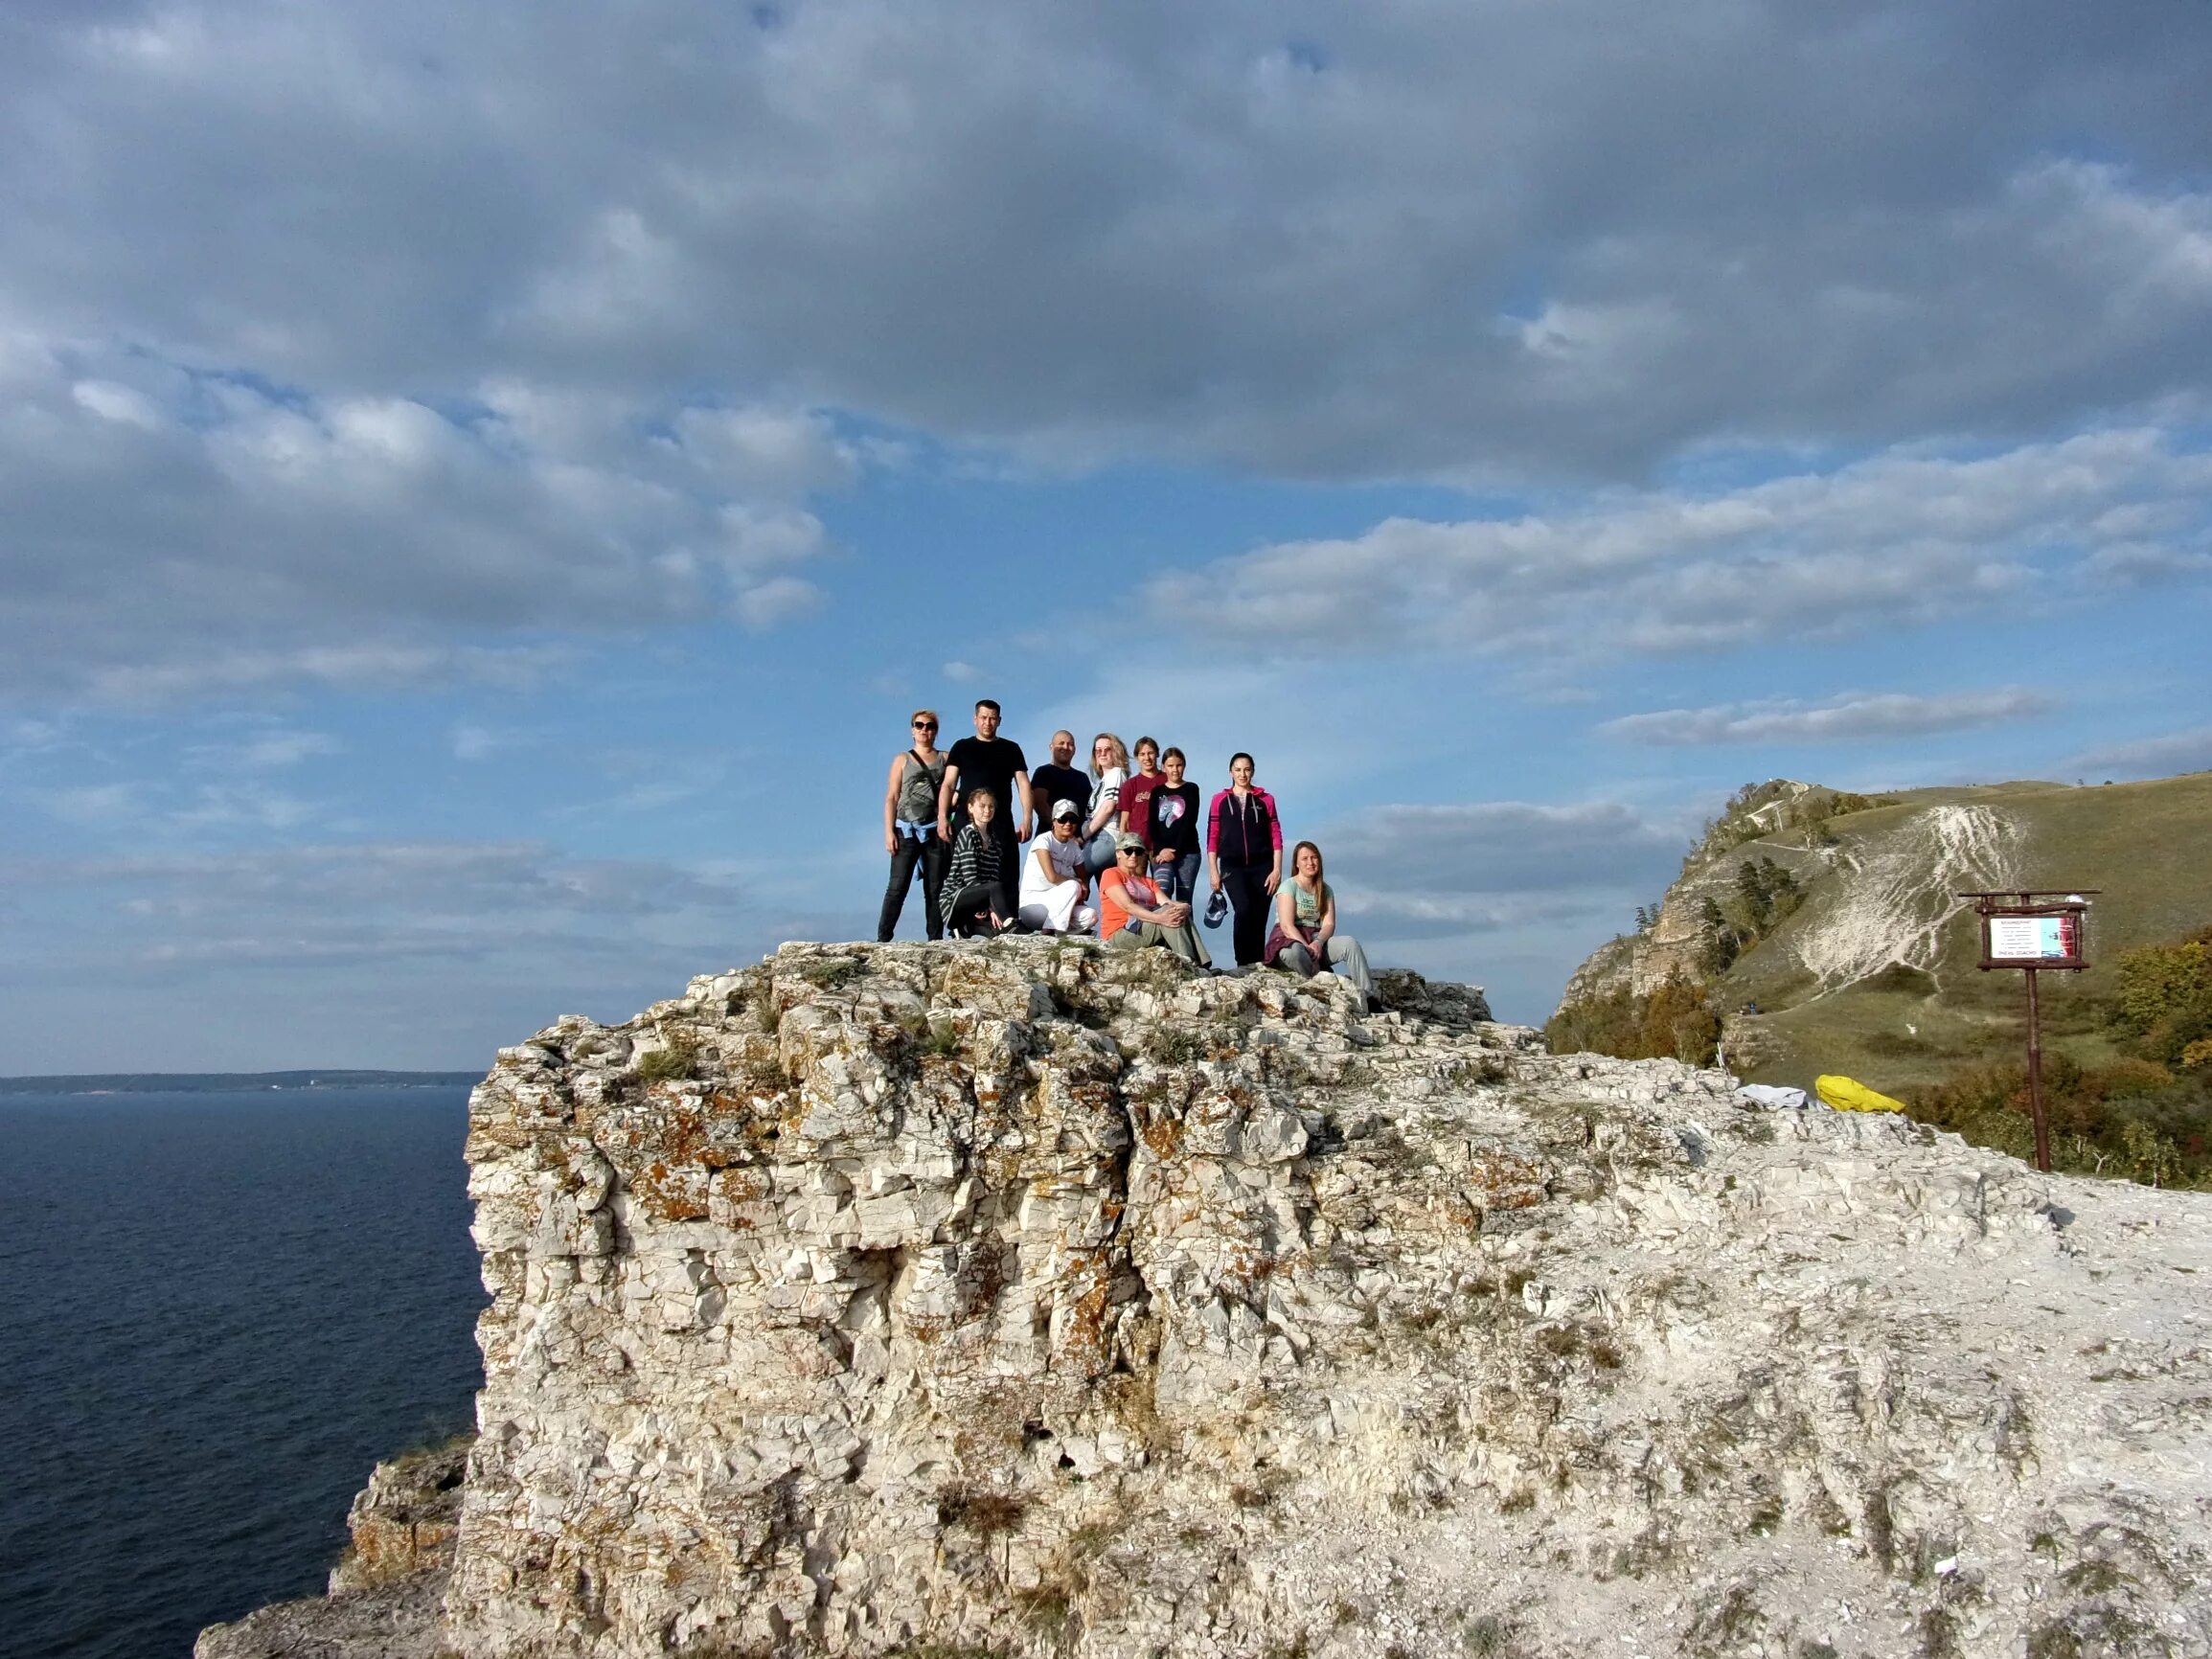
(1134, 913)
(910, 829)
(1109, 770)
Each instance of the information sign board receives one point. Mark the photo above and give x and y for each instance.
(2046, 941)
(2033, 929)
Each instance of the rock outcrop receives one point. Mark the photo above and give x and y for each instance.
(405, 1519)
(387, 1591)
(1033, 1298)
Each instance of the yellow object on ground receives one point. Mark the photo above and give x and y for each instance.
(1850, 1095)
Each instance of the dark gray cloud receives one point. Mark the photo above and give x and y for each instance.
(1573, 237)
(393, 328)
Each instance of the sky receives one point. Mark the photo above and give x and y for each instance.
(482, 487)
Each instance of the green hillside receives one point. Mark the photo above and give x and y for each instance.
(1864, 964)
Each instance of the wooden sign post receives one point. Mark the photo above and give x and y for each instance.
(2033, 930)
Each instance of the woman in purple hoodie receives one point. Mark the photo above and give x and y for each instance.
(1244, 855)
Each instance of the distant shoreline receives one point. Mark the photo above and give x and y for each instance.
(220, 1083)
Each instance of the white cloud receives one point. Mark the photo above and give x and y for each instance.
(473, 742)
(354, 668)
(1899, 538)
(244, 807)
(777, 600)
(777, 454)
(90, 805)
(266, 751)
(1845, 719)
(409, 953)
(1431, 853)
(192, 533)
(1506, 894)
(2183, 751)
(962, 673)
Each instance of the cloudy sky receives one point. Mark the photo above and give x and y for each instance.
(481, 487)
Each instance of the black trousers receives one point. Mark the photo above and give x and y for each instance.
(935, 858)
(1247, 891)
(974, 904)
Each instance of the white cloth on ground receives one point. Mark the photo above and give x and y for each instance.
(1775, 1096)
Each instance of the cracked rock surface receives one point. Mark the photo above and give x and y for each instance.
(1025, 1297)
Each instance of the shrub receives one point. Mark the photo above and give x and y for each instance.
(2162, 997)
(1610, 1023)
(679, 1059)
(1676, 1022)
(1679, 1024)
(983, 1513)
(2130, 1118)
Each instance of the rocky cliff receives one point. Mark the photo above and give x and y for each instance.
(1030, 1298)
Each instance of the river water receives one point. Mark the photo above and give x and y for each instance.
(216, 1312)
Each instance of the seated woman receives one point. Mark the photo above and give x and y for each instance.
(1054, 877)
(1109, 770)
(1304, 938)
(976, 897)
(1133, 914)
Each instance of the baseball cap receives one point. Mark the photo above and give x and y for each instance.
(1125, 842)
(1066, 809)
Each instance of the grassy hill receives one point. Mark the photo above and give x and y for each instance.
(1865, 962)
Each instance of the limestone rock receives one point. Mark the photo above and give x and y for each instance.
(1030, 1298)
(387, 1591)
(397, 1620)
(404, 1520)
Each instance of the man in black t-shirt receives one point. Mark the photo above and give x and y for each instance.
(1060, 782)
(988, 759)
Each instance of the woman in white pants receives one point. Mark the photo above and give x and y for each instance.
(1055, 877)
(1304, 938)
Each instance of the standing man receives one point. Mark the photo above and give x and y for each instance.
(990, 761)
(1058, 780)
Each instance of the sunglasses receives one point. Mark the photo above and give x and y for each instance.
(926, 725)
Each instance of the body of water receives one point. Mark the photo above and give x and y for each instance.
(216, 1312)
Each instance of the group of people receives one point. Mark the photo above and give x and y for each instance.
(1116, 847)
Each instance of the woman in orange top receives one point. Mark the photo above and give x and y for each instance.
(1132, 914)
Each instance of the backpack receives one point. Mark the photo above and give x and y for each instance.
(918, 777)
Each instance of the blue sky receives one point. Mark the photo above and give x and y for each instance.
(480, 493)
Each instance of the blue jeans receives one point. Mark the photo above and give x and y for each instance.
(1099, 854)
(1179, 880)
